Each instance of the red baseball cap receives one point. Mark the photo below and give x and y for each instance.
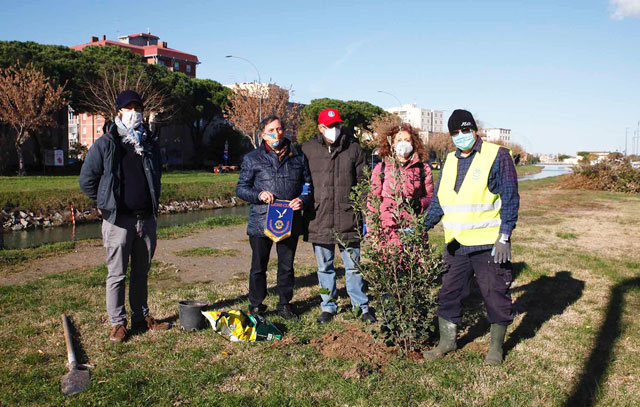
(329, 116)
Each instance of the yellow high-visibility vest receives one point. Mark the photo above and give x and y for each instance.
(471, 216)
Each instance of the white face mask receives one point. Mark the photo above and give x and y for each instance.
(131, 119)
(332, 134)
(403, 149)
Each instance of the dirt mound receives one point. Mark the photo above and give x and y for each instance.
(353, 344)
(287, 341)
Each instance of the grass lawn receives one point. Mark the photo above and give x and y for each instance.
(174, 232)
(47, 194)
(575, 340)
(206, 251)
(523, 170)
(58, 193)
(13, 256)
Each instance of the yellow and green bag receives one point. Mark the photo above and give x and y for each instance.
(237, 326)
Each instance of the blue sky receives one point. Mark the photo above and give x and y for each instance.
(564, 75)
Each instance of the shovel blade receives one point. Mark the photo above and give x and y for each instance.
(75, 381)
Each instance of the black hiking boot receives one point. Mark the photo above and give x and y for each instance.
(286, 312)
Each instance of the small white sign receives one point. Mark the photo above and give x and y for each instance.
(58, 158)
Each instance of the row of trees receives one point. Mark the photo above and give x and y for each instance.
(31, 95)
(90, 81)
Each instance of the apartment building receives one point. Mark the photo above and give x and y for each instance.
(87, 128)
(426, 120)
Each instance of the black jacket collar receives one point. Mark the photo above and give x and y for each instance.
(293, 150)
(341, 143)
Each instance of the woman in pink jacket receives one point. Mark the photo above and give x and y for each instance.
(402, 153)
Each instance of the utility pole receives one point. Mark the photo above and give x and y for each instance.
(637, 137)
(626, 132)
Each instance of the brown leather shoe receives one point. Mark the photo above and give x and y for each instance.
(118, 333)
(149, 323)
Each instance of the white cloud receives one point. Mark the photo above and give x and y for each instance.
(624, 8)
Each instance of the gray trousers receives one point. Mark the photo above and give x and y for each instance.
(128, 237)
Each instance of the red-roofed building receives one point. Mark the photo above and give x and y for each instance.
(87, 128)
(151, 50)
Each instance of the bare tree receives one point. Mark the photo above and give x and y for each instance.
(440, 144)
(100, 95)
(514, 147)
(383, 123)
(28, 102)
(243, 111)
(517, 151)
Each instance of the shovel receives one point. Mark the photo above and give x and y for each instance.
(77, 379)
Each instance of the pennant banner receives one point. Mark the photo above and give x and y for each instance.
(279, 220)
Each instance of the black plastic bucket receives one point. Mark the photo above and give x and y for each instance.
(189, 312)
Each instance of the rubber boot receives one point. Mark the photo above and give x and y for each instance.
(494, 356)
(448, 332)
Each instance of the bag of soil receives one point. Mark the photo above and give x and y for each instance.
(237, 326)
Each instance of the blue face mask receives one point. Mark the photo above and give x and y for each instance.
(276, 144)
(464, 141)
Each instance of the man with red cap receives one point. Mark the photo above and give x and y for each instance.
(336, 162)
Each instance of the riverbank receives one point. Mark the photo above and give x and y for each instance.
(524, 170)
(40, 202)
(573, 341)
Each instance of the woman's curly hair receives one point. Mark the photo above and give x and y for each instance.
(384, 148)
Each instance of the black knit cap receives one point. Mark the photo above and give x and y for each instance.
(126, 97)
(460, 120)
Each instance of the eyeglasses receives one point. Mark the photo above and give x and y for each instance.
(461, 131)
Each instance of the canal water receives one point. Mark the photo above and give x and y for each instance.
(548, 171)
(37, 237)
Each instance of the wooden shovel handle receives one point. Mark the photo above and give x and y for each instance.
(71, 356)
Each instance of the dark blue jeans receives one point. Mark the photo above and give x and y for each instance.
(494, 280)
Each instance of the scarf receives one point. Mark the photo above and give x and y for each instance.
(136, 137)
(281, 153)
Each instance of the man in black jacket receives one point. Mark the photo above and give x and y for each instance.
(275, 170)
(336, 162)
(121, 174)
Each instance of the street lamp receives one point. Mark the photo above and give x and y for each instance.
(392, 95)
(259, 86)
(396, 98)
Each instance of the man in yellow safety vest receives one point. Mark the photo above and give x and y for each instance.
(477, 200)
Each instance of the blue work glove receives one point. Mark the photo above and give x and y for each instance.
(364, 229)
(427, 225)
(501, 251)
(408, 230)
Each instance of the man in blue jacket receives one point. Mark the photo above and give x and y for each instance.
(121, 174)
(275, 170)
